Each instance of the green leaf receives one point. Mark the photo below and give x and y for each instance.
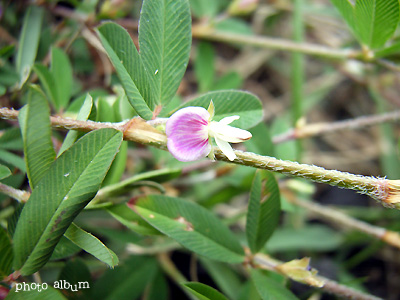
(270, 289)
(11, 139)
(376, 21)
(261, 142)
(234, 25)
(64, 249)
(6, 254)
(104, 110)
(62, 73)
(28, 42)
(130, 69)
(229, 103)
(63, 192)
(346, 9)
(203, 292)
(91, 245)
(118, 166)
(4, 172)
(127, 281)
(165, 37)
(224, 277)
(204, 8)
(83, 115)
(126, 216)
(32, 294)
(192, 226)
(48, 82)
(34, 120)
(158, 288)
(308, 238)
(264, 210)
(204, 66)
(231, 80)
(9, 158)
(391, 50)
(248, 291)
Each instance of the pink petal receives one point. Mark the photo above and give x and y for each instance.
(187, 132)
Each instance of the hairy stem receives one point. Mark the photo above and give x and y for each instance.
(387, 192)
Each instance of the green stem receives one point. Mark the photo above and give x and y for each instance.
(169, 268)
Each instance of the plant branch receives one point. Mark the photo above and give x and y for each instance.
(208, 33)
(20, 196)
(387, 192)
(330, 286)
(170, 269)
(337, 217)
(322, 128)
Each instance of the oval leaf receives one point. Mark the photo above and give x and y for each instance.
(192, 226)
(62, 73)
(376, 21)
(63, 192)
(10, 158)
(127, 217)
(4, 172)
(203, 292)
(264, 210)
(232, 103)
(346, 9)
(83, 115)
(130, 69)
(29, 41)
(48, 82)
(34, 120)
(91, 245)
(165, 37)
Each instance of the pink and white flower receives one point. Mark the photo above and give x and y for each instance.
(189, 131)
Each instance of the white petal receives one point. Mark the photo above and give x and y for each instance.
(225, 148)
(229, 120)
(228, 133)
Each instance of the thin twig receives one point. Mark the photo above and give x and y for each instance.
(207, 32)
(168, 267)
(20, 196)
(330, 286)
(322, 128)
(387, 192)
(339, 218)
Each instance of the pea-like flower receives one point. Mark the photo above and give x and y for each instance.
(189, 131)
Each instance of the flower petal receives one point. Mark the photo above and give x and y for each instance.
(229, 120)
(225, 148)
(228, 133)
(187, 132)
